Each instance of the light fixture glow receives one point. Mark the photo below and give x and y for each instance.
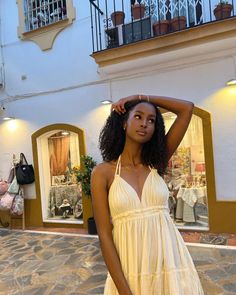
(65, 132)
(8, 118)
(106, 101)
(231, 82)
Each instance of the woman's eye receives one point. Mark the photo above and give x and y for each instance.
(137, 116)
(151, 120)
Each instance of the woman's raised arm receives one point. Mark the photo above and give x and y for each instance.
(182, 108)
(99, 190)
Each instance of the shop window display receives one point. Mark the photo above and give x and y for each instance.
(61, 193)
(186, 177)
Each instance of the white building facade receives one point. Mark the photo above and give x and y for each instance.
(64, 84)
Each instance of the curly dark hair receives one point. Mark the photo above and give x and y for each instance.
(112, 139)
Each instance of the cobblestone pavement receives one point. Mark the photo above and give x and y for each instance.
(40, 263)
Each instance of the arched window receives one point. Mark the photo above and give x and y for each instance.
(189, 178)
(57, 150)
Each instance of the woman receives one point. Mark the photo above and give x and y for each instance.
(144, 252)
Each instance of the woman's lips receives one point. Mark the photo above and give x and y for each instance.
(142, 133)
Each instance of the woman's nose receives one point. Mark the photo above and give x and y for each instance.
(144, 123)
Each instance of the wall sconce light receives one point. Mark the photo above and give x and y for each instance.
(4, 115)
(6, 118)
(2, 110)
(65, 133)
(106, 101)
(231, 82)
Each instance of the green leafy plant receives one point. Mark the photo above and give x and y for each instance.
(84, 175)
(221, 3)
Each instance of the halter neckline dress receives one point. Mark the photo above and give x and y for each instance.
(153, 256)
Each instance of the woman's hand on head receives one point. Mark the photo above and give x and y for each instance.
(119, 106)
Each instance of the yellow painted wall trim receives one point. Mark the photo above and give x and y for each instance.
(33, 207)
(44, 36)
(192, 36)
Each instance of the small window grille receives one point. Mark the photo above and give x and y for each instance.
(41, 13)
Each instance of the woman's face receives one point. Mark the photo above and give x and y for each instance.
(140, 125)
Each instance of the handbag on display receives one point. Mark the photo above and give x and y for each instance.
(24, 171)
(17, 207)
(3, 187)
(11, 175)
(14, 186)
(6, 201)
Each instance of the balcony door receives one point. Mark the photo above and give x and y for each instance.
(167, 9)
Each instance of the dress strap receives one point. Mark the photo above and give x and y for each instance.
(118, 166)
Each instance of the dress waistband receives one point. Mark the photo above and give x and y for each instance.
(140, 213)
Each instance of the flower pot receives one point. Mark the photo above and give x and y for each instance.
(117, 18)
(178, 23)
(92, 229)
(223, 11)
(160, 27)
(138, 11)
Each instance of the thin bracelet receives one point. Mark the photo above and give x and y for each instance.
(140, 97)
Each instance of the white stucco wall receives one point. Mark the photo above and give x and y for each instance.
(63, 85)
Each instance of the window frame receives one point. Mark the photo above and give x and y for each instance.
(44, 36)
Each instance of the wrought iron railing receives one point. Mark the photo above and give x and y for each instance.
(118, 22)
(41, 13)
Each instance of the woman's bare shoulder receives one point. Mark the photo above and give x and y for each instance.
(104, 169)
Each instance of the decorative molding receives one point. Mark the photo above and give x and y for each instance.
(44, 36)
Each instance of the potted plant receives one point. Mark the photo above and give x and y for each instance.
(138, 10)
(117, 18)
(223, 10)
(83, 176)
(178, 23)
(160, 27)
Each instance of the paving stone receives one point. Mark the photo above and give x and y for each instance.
(202, 262)
(47, 242)
(37, 248)
(231, 269)
(33, 243)
(17, 263)
(231, 287)
(97, 291)
(24, 281)
(216, 274)
(227, 252)
(99, 268)
(67, 251)
(33, 291)
(35, 264)
(57, 289)
(47, 255)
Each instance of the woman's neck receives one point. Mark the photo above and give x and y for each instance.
(131, 155)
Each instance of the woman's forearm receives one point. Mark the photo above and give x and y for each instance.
(177, 106)
(171, 104)
(114, 266)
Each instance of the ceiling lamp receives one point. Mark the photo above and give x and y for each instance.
(231, 82)
(106, 101)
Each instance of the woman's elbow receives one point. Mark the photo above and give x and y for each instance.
(190, 106)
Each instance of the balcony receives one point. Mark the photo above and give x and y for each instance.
(123, 30)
